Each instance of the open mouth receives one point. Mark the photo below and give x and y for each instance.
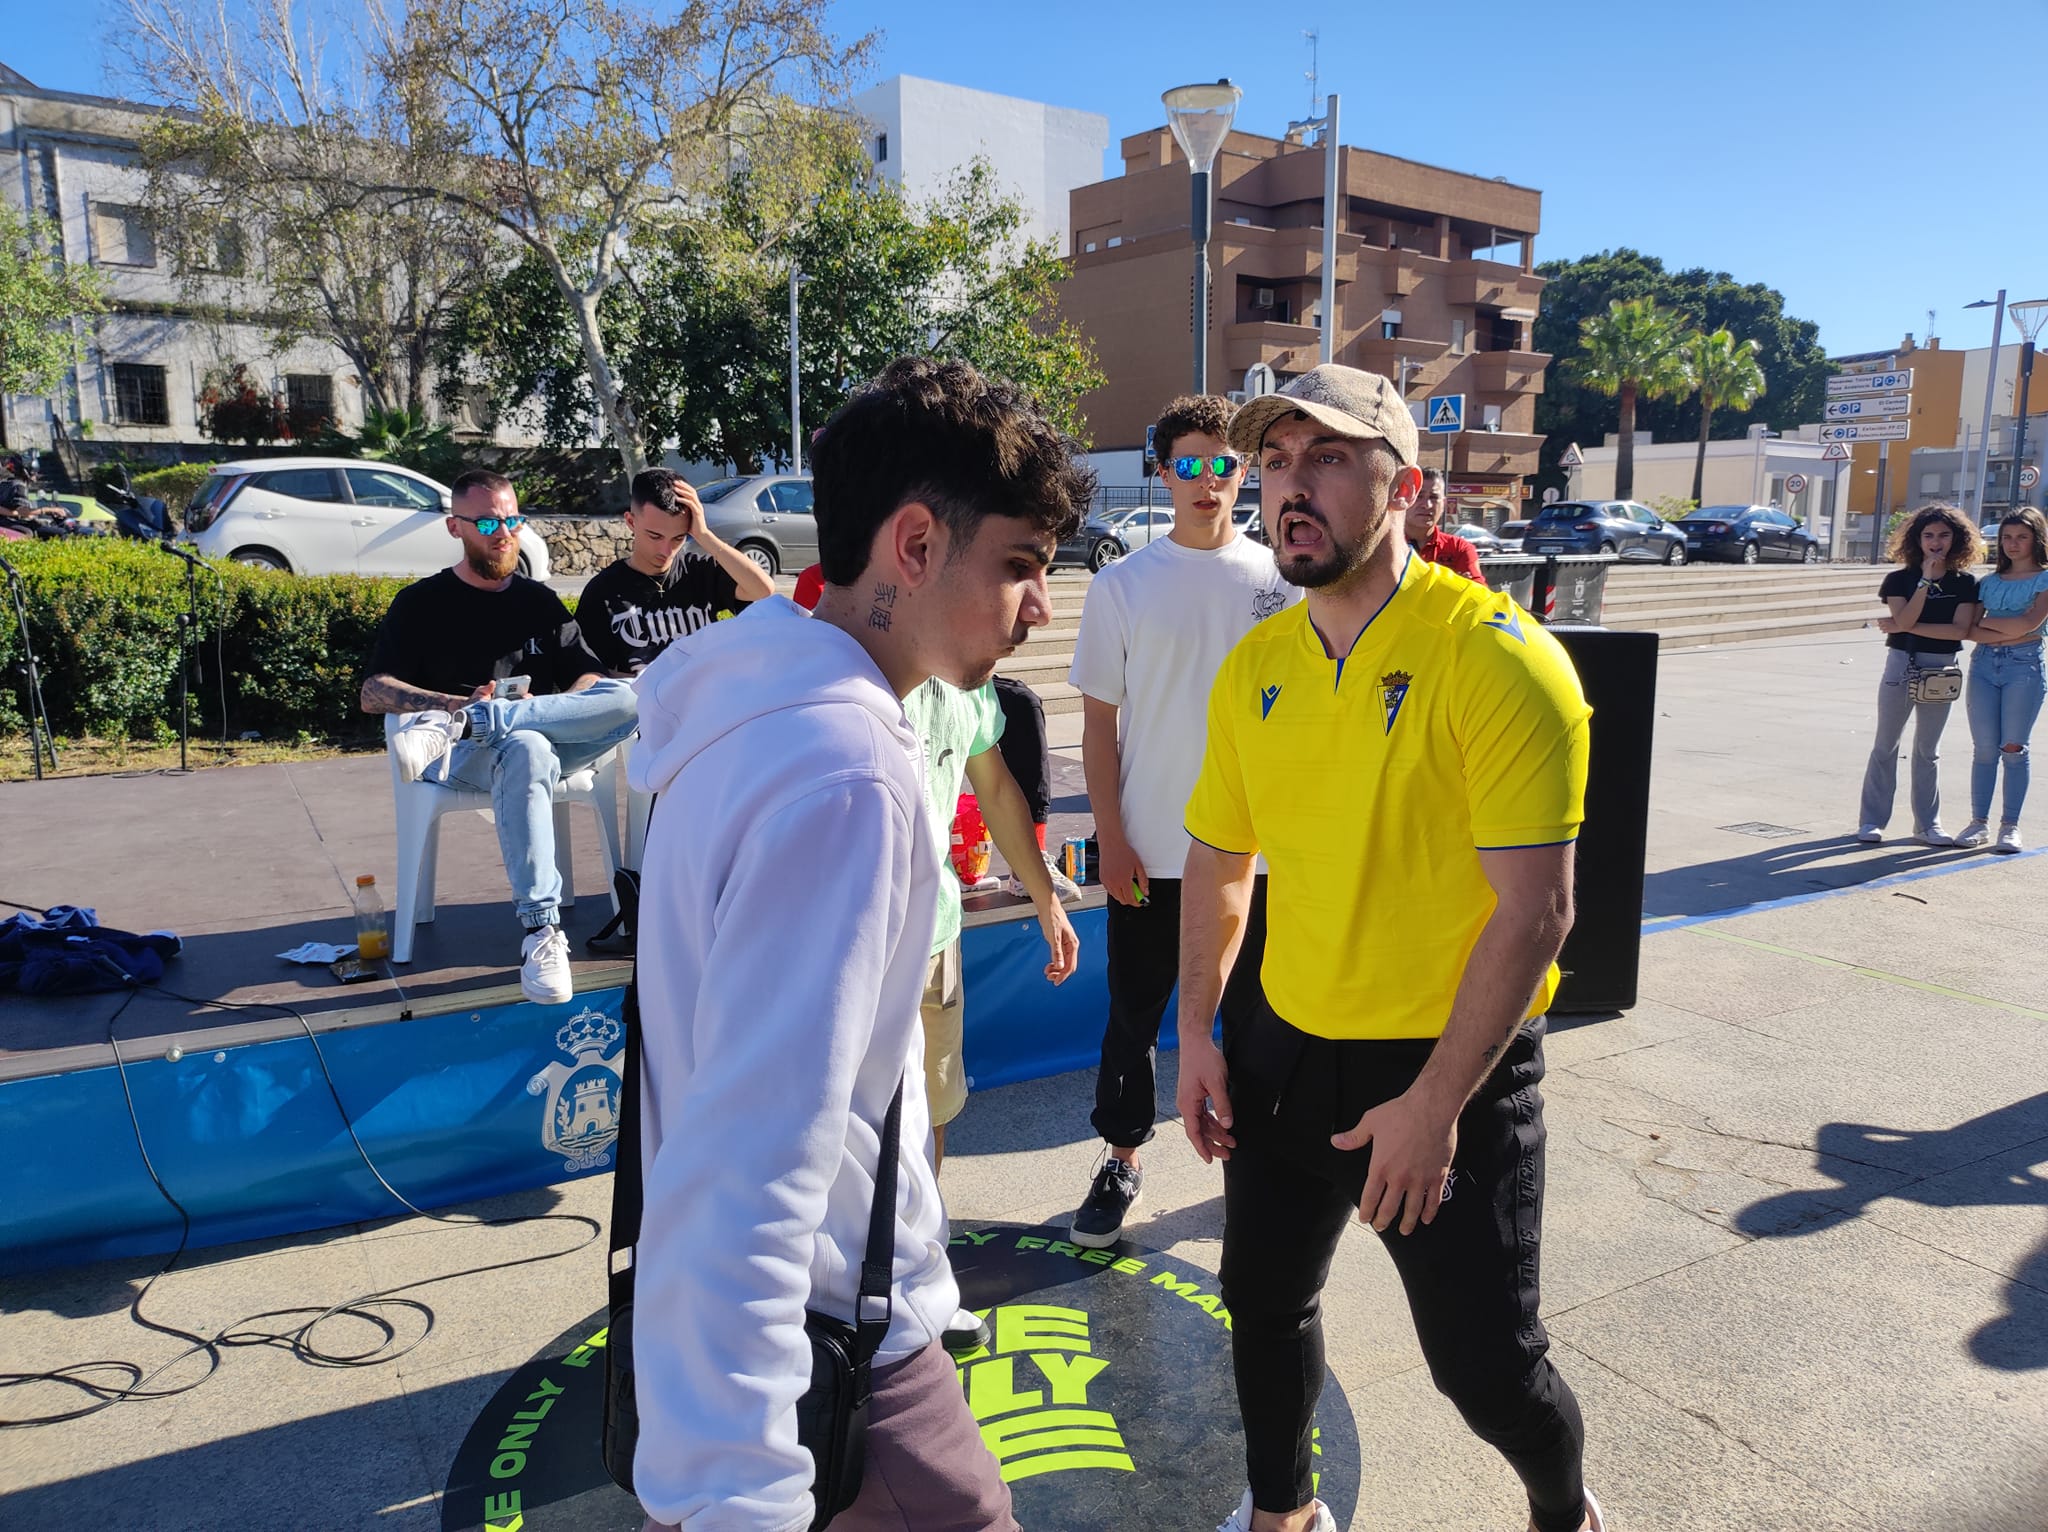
(1207, 503)
(1300, 533)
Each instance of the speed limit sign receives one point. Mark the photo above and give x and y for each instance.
(2029, 476)
(1794, 483)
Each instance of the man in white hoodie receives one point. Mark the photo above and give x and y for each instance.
(789, 891)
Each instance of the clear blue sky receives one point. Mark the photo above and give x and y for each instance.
(1870, 161)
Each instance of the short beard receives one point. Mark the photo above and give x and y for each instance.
(482, 562)
(1335, 566)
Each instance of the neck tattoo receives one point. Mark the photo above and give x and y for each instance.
(885, 603)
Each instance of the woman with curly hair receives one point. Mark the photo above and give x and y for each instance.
(2007, 677)
(1933, 601)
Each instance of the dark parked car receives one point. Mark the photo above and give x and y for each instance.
(1605, 526)
(1510, 535)
(767, 517)
(1748, 534)
(1248, 521)
(1107, 536)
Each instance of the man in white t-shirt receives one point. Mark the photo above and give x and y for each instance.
(1153, 635)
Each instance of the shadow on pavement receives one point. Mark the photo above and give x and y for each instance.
(1781, 871)
(1987, 1161)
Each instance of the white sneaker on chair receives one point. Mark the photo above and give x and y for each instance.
(421, 740)
(544, 966)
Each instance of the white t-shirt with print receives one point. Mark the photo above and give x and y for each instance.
(1154, 632)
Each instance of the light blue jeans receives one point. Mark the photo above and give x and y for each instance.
(2007, 682)
(517, 752)
(1881, 776)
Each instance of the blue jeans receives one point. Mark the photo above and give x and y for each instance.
(1881, 776)
(517, 752)
(2007, 682)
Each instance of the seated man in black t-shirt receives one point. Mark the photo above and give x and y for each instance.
(443, 658)
(635, 608)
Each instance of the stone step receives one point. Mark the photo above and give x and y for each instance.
(1699, 635)
(1857, 604)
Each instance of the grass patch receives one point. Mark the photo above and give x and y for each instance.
(93, 756)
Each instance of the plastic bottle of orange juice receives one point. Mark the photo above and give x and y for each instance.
(373, 922)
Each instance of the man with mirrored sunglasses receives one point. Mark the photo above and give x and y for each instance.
(497, 692)
(1155, 627)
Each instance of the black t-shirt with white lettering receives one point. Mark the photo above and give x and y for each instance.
(444, 634)
(1949, 592)
(629, 617)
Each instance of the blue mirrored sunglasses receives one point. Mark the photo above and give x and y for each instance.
(488, 525)
(1223, 465)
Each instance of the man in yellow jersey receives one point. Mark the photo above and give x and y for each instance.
(1411, 939)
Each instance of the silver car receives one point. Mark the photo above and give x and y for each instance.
(767, 517)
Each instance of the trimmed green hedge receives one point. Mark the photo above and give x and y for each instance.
(103, 615)
(174, 486)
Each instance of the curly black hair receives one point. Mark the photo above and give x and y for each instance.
(936, 432)
(1188, 415)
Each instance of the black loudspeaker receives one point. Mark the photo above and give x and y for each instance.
(1603, 952)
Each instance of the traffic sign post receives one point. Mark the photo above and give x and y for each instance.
(1836, 453)
(2029, 476)
(1446, 413)
(1866, 407)
(1867, 431)
(1850, 384)
(1795, 483)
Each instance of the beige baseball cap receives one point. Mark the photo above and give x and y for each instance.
(1347, 400)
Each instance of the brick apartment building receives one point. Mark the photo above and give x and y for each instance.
(1416, 297)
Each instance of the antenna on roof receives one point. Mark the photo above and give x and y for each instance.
(1314, 39)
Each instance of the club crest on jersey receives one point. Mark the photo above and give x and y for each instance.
(1393, 692)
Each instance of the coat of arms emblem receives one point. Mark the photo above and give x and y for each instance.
(582, 1120)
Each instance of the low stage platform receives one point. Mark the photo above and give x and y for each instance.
(441, 1065)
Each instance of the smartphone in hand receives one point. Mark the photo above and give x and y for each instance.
(512, 689)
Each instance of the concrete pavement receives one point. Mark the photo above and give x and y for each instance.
(1796, 1258)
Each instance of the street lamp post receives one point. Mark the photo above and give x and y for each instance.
(796, 406)
(1327, 124)
(1200, 116)
(2028, 316)
(1990, 386)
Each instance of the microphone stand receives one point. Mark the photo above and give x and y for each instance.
(40, 738)
(188, 630)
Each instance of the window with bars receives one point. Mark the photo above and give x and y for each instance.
(141, 397)
(310, 398)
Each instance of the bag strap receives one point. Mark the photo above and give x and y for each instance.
(877, 1270)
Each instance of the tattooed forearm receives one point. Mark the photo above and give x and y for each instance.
(885, 602)
(388, 694)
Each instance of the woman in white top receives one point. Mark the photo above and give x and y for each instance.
(2007, 679)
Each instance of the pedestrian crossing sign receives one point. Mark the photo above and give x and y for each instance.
(1447, 412)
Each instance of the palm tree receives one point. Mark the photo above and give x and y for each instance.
(1634, 351)
(1724, 371)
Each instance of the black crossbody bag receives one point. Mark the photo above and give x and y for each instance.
(832, 1415)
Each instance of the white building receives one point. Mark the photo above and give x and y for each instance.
(1762, 469)
(920, 132)
(72, 158)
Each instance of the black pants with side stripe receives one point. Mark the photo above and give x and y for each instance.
(1471, 1275)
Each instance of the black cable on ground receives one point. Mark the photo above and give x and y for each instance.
(132, 1382)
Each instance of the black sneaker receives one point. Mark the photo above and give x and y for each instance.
(967, 1334)
(1110, 1200)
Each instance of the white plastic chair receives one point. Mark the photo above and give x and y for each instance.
(639, 806)
(420, 805)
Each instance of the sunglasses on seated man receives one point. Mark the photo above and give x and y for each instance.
(488, 525)
(1223, 465)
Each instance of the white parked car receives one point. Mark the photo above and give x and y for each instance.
(332, 515)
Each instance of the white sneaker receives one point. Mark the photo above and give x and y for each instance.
(1935, 835)
(1241, 1518)
(1871, 835)
(1062, 886)
(544, 966)
(1975, 833)
(421, 740)
(2008, 839)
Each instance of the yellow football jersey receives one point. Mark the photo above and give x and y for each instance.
(1370, 785)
